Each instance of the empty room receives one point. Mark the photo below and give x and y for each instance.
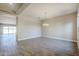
(38, 29)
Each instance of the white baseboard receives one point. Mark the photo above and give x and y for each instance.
(60, 38)
(29, 37)
(47, 37)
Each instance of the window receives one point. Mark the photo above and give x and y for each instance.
(5, 30)
(9, 30)
(12, 29)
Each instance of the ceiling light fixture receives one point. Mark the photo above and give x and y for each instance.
(11, 3)
(45, 24)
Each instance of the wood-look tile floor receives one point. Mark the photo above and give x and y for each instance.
(8, 46)
(38, 47)
(47, 47)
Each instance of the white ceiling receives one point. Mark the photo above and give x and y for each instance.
(12, 8)
(39, 10)
(8, 12)
(48, 10)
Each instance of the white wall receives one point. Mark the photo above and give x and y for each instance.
(28, 27)
(62, 27)
(78, 27)
(7, 18)
(8, 21)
